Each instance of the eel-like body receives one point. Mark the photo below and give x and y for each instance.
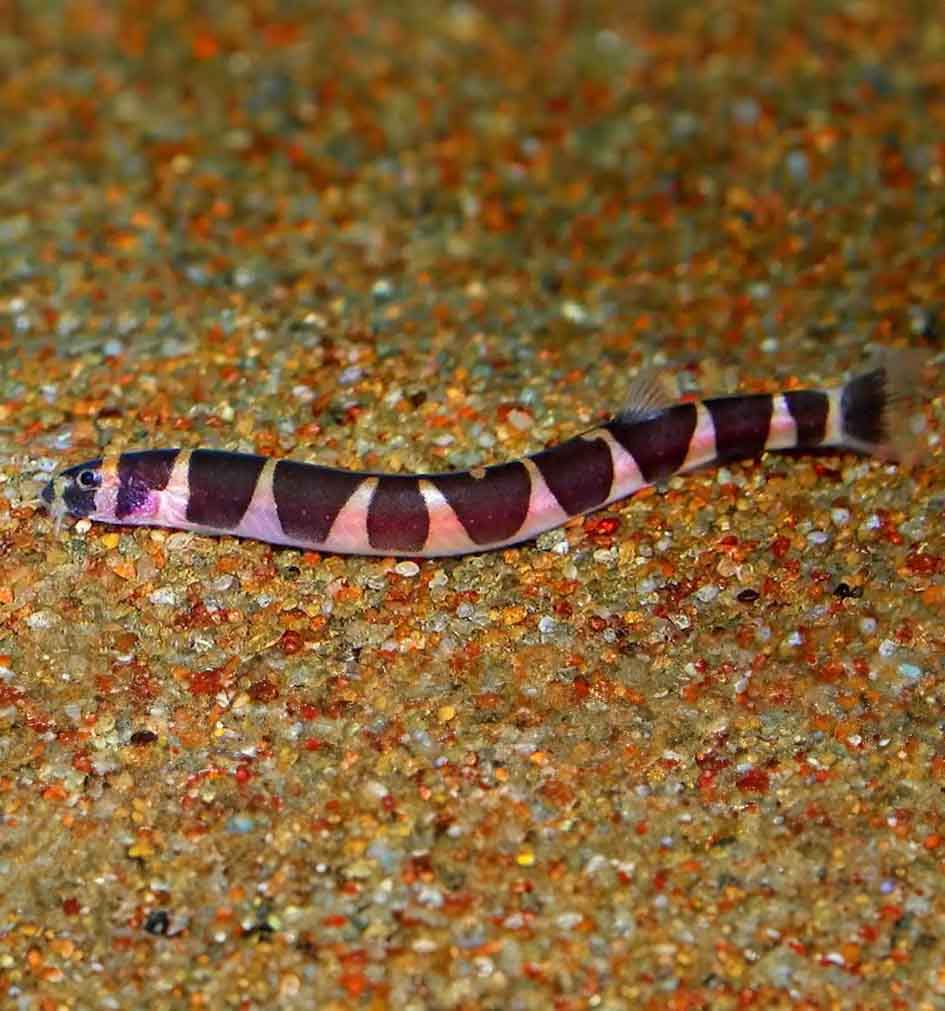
(325, 509)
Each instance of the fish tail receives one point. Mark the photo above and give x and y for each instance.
(876, 407)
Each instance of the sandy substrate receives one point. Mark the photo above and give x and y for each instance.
(687, 753)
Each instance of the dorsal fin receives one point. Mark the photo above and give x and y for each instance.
(650, 392)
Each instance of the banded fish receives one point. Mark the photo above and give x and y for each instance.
(304, 505)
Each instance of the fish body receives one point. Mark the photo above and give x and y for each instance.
(305, 505)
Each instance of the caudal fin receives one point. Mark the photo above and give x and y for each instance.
(876, 407)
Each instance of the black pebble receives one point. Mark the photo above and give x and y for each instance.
(158, 922)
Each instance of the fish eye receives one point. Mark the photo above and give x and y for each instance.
(87, 479)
